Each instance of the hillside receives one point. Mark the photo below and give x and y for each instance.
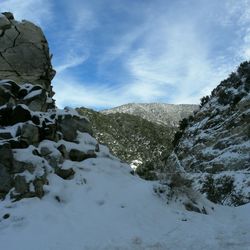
(160, 113)
(214, 146)
(139, 142)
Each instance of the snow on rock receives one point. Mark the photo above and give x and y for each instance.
(216, 141)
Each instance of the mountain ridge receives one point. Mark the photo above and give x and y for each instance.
(161, 113)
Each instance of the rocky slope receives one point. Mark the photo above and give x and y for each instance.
(35, 138)
(141, 143)
(160, 113)
(214, 145)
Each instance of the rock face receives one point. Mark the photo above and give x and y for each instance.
(35, 138)
(35, 142)
(141, 143)
(24, 53)
(160, 113)
(215, 144)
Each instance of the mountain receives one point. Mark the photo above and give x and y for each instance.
(141, 143)
(214, 145)
(60, 189)
(160, 113)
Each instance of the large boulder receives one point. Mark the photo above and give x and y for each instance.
(69, 124)
(24, 53)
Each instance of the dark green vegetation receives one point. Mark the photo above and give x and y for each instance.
(131, 138)
(219, 190)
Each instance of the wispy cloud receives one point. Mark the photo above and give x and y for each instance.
(38, 11)
(71, 91)
(71, 60)
(74, 49)
(107, 53)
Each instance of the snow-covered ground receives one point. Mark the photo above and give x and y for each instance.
(105, 207)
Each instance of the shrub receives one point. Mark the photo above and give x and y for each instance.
(182, 126)
(218, 190)
(178, 180)
(204, 100)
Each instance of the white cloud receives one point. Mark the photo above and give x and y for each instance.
(73, 92)
(173, 60)
(238, 14)
(37, 11)
(75, 48)
(173, 64)
(71, 60)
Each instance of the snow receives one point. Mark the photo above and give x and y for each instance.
(105, 207)
(33, 94)
(135, 163)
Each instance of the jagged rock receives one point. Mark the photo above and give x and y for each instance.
(36, 100)
(16, 143)
(38, 185)
(63, 151)
(77, 155)
(44, 151)
(5, 181)
(5, 135)
(6, 155)
(68, 126)
(65, 173)
(19, 114)
(34, 97)
(49, 132)
(21, 187)
(4, 96)
(30, 134)
(21, 166)
(9, 15)
(5, 115)
(24, 42)
(35, 119)
(30, 127)
(4, 22)
(54, 160)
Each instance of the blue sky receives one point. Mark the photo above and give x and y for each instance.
(112, 52)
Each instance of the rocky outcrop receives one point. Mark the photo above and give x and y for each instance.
(24, 54)
(214, 145)
(160, 113)
(35, 139)
(35, 142)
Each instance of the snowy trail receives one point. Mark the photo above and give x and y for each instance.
(105, 207)
(116, 210)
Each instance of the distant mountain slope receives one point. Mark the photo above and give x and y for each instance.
(215, 145)
(161, 113)
(132, 138)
